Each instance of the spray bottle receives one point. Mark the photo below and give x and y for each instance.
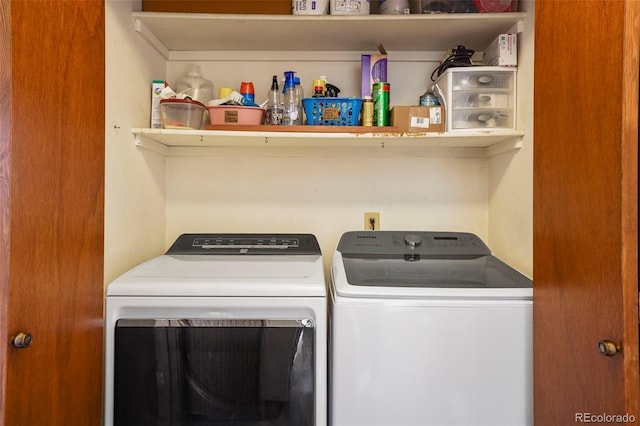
(292, 111)
(274, 106)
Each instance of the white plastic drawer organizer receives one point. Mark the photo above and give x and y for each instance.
(478, 97)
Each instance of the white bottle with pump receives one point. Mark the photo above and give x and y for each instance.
(193, 85)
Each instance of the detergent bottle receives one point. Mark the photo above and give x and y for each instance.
(193, 85)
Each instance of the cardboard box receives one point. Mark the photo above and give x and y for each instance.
(373, 69)
(156, 116)
(418, 119)
(261, 7)
(503, 51)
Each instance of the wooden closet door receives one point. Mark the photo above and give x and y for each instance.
(585, 209)
(52, 173)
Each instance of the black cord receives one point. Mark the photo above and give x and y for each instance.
(460, 57)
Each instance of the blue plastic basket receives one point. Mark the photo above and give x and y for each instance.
(332, 111)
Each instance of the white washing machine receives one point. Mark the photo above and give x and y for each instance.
(221, 330)
(429, 329)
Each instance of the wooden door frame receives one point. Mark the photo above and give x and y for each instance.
(52, 192)
(585, 207)
(5, 186)
(630, 138)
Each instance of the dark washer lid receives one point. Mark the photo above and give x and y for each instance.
(424, 259)
(478, 272)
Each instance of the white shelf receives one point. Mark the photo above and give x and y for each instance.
(223, 32)
(477, 143)
(303, 35)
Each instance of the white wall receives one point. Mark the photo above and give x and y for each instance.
(134, 179)
(150, 199)
(245, 191)
(511, 174)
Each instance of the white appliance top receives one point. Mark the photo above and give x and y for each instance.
(231, 265)
(399, 264)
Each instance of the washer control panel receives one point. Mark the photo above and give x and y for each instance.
(215, 244)
(389, 244)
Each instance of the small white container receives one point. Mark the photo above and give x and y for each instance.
(393, 7)
(350, 7)
(478, 97)
(310, 7)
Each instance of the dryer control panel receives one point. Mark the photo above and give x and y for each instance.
(216, 244)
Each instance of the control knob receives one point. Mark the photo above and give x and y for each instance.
(412, 240)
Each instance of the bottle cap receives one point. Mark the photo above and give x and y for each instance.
(194, 71)
(223, 92)
(247, 87)
(289, 79)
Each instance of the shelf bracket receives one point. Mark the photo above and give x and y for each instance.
(150, 38)
(149, 144)
(504, 146)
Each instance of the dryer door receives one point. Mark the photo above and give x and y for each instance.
(214, 372)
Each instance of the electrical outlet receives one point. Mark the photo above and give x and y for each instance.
(372, 221)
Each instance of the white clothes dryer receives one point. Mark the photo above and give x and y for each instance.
(223, 329)
(429, 329)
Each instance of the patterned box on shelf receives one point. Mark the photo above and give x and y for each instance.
(332, 111)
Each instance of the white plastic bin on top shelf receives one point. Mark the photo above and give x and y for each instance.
(478, 97)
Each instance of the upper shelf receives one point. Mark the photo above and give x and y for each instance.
(297, 33)
(472, 143)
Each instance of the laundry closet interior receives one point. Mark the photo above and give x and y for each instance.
(160, 185)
